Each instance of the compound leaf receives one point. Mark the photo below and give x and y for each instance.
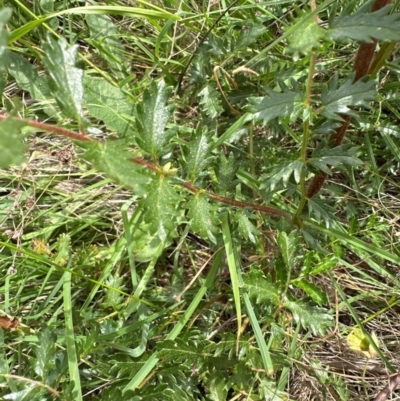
(288, 247)
(260, 288)
(310, 316)
(363, 26)
(283, 171)
(180, 351)
(246, 227)
(211, 102)
(225, 172)
(324, 157)
(336, 100)
(276, 104)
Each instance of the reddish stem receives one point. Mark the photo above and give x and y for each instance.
(50, 128)
(361, 67)
(80, 137)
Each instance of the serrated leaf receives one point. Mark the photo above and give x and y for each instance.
(45, 352)
(276, 104)
(12, 147)
(246, 227)
(160, 205)
(310, 316)
(152, 116)
(324, 157)
(226, 172)
(288, 247)
(106, 38)
(180, 351)
(109, 104)
(146, 243)
(5, 14)
(111, 157)
(321, 208)
(336, 100)
(29, 80)
(363, 26)
(316, 293)
(211, 101)
(203, 220)
(283, 172)
(198, 152)
(260, 288)
(113, 299)
(65, 80)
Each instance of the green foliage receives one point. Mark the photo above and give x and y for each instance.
(210, 101)
(112, 158)
(161, 206)
(198, 155)
(203, 219)
(275, 104)
(11, 142)
(5, 14)
(336, 100)
(136, 296)
(28, 79)
(65, 79)
(342, 155)
(110, 105)
(105, 38)
(260, 288)
(364, 27)
(152, 116)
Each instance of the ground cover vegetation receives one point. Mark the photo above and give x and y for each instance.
(199, 200)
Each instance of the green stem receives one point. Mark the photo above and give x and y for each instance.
(304, 144)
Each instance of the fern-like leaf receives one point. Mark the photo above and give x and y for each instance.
(276, 104)
(363, 26)
(260, 288)
(310, 316)
(210, 99)
(336, 100)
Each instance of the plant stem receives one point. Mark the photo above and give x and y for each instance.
(304, 144)
(363, 65)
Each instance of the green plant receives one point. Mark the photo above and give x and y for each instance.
(272, 126)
